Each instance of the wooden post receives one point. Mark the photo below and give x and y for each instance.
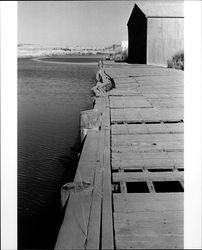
(90, 119)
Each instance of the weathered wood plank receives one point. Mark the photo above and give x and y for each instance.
(125, 70)
(148, 216)
(129, 102)
(119, 139)
(147, 164)
(165, 102)
(130, 160)
(76, 217)
(161, 80)
(149, 197)
(148, 202)
(133, 115)
(100, 194)
(148, 147)
(149, 156)
(162, 128)
(147, 142)
(150, 228)
(75, 223)
(147, 160)
(146, 221)
(94, 225)
(148, 176)
(107, 217)
(127, 92)
(148, 242)
(156, 94)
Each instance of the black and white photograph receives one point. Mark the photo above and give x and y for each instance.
(100, 126)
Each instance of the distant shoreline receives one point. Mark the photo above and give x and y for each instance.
(85, 60)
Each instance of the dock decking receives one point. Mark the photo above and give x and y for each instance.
(130, 172)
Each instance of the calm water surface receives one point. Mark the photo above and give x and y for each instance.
(50, 98)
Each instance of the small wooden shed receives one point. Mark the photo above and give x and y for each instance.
(155, 31)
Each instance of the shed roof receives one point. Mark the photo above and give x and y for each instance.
(161, 8)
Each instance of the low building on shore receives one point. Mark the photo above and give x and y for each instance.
(124, 46)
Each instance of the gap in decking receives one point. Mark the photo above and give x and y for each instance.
(180, 121)
(160, 170)
(167, 186)
(115, 170)
(146, 122)
(116, 187)
(137, 187)
(133, 170)
(180, 169)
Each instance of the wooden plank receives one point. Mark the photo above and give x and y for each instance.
(148, 202)
(107, 220)
(76, 216)
(94, 225)
(99, 197)
(149, 156)
(126, 92)
(129, 102)
(149, 229)
(128, 160)
(147, 142)
(125, 70)
(145, 221)
(132, 86)
(149, 197)
(86, 166)
(148, 147)
(161, 128)
(119, 139)
(166, 102)
(75, 223)
(160, 80)
(124, 163)
(148, 242)
(125, 80)
(142, 158)
(132, 115)
(163, 95)
(147, 176)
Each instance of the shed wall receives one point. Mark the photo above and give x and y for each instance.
(137, 37)
(165, 37)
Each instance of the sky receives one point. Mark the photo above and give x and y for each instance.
(71, 23)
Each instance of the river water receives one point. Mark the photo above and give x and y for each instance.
(50, 98)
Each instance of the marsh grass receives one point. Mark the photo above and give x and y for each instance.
(177, 61)
(121, 56)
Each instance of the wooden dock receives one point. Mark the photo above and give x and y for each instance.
(128, 188)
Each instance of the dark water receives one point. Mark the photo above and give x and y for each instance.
(50, 98)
